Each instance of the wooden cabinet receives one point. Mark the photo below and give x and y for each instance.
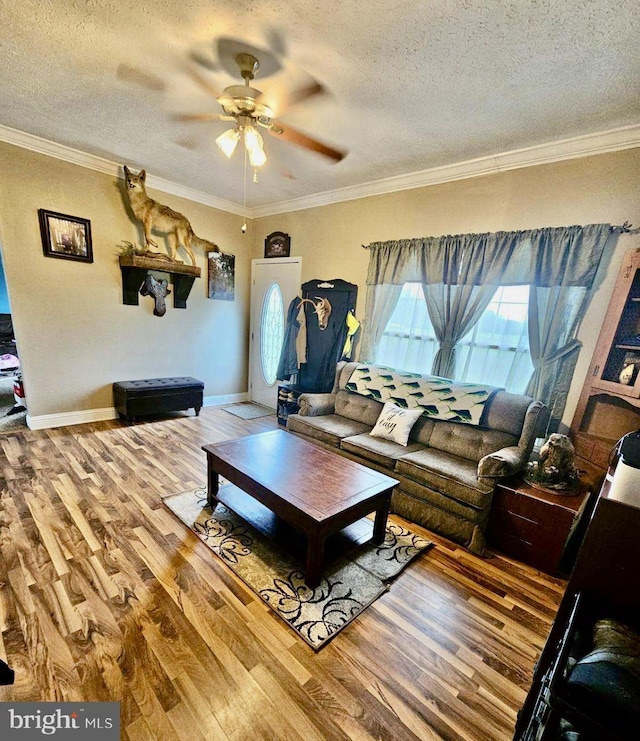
(604, 577)
(533, 526)
(609, 405)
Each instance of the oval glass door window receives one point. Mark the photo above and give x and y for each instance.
(271, 332)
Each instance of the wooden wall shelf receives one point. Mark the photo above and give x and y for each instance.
(134, 270)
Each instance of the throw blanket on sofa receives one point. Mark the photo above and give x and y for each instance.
(440, 398)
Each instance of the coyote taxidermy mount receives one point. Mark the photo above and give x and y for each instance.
(158, 218)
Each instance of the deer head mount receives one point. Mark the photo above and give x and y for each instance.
(321, 308)
(159, 290)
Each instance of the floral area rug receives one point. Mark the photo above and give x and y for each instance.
(351, 583)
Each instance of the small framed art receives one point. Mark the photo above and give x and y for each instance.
(65, 236)
(277, 244)
(221, 276)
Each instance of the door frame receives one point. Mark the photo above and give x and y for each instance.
(252, 328)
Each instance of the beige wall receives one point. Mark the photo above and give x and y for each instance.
(605, 188)
(75, 336)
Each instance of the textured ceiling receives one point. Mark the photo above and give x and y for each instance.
(412, 84)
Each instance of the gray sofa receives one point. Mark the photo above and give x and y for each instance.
(448, 470)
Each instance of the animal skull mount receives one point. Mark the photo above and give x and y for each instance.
(159, 289)
(322, 309)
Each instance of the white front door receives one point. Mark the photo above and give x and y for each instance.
(275, 282)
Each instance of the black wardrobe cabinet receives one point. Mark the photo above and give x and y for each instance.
(329, 302)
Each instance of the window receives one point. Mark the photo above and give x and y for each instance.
(495, 351)
(271, 333)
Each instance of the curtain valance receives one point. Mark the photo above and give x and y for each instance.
(562, 256)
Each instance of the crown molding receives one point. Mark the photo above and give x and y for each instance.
(100, 164)
(626, 137)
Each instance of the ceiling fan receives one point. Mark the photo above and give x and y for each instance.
(247, 108)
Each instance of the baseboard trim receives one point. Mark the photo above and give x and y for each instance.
(64, 419)
(216, 401)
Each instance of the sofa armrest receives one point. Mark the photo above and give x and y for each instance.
(316, 405)
(504, 462)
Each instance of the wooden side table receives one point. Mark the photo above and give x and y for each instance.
(533, 526)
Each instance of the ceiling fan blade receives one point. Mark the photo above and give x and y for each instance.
(279, 99)
(204, 60)
(139, 77)
(289, 134)
(276, 42)
(202, 81)
(187, 143)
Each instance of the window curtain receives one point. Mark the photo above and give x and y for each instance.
(381, 301)
(453, 311)
(460, 273)
(558, 298)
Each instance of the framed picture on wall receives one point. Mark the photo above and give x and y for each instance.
(221, 276)
(277, 244)
(65, 236)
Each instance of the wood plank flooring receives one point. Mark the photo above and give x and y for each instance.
(104, 595)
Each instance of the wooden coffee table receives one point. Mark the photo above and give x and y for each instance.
(315, 490)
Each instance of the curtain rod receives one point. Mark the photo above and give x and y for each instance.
(623, 229)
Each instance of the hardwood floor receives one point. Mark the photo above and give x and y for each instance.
(104, 595)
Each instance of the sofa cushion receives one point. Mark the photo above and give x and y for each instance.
(422, 430)
(453, 476)
(506, 412)
(465, 441)
(329, 428)
(395, 423)
(358, 408)
(441, 519)
(429, 497)
(383, 452)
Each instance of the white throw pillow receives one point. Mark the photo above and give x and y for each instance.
(395, 423)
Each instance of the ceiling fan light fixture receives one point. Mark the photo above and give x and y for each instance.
(254, 145)
(228, 140)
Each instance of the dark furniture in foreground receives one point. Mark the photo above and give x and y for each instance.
(603, 585)
(7, 675)
(534, 526)
(316, 491)
(157, 395)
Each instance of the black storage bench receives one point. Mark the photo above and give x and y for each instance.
(157, 395)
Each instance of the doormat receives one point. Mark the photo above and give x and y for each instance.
(249, 410)
(350, 585)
